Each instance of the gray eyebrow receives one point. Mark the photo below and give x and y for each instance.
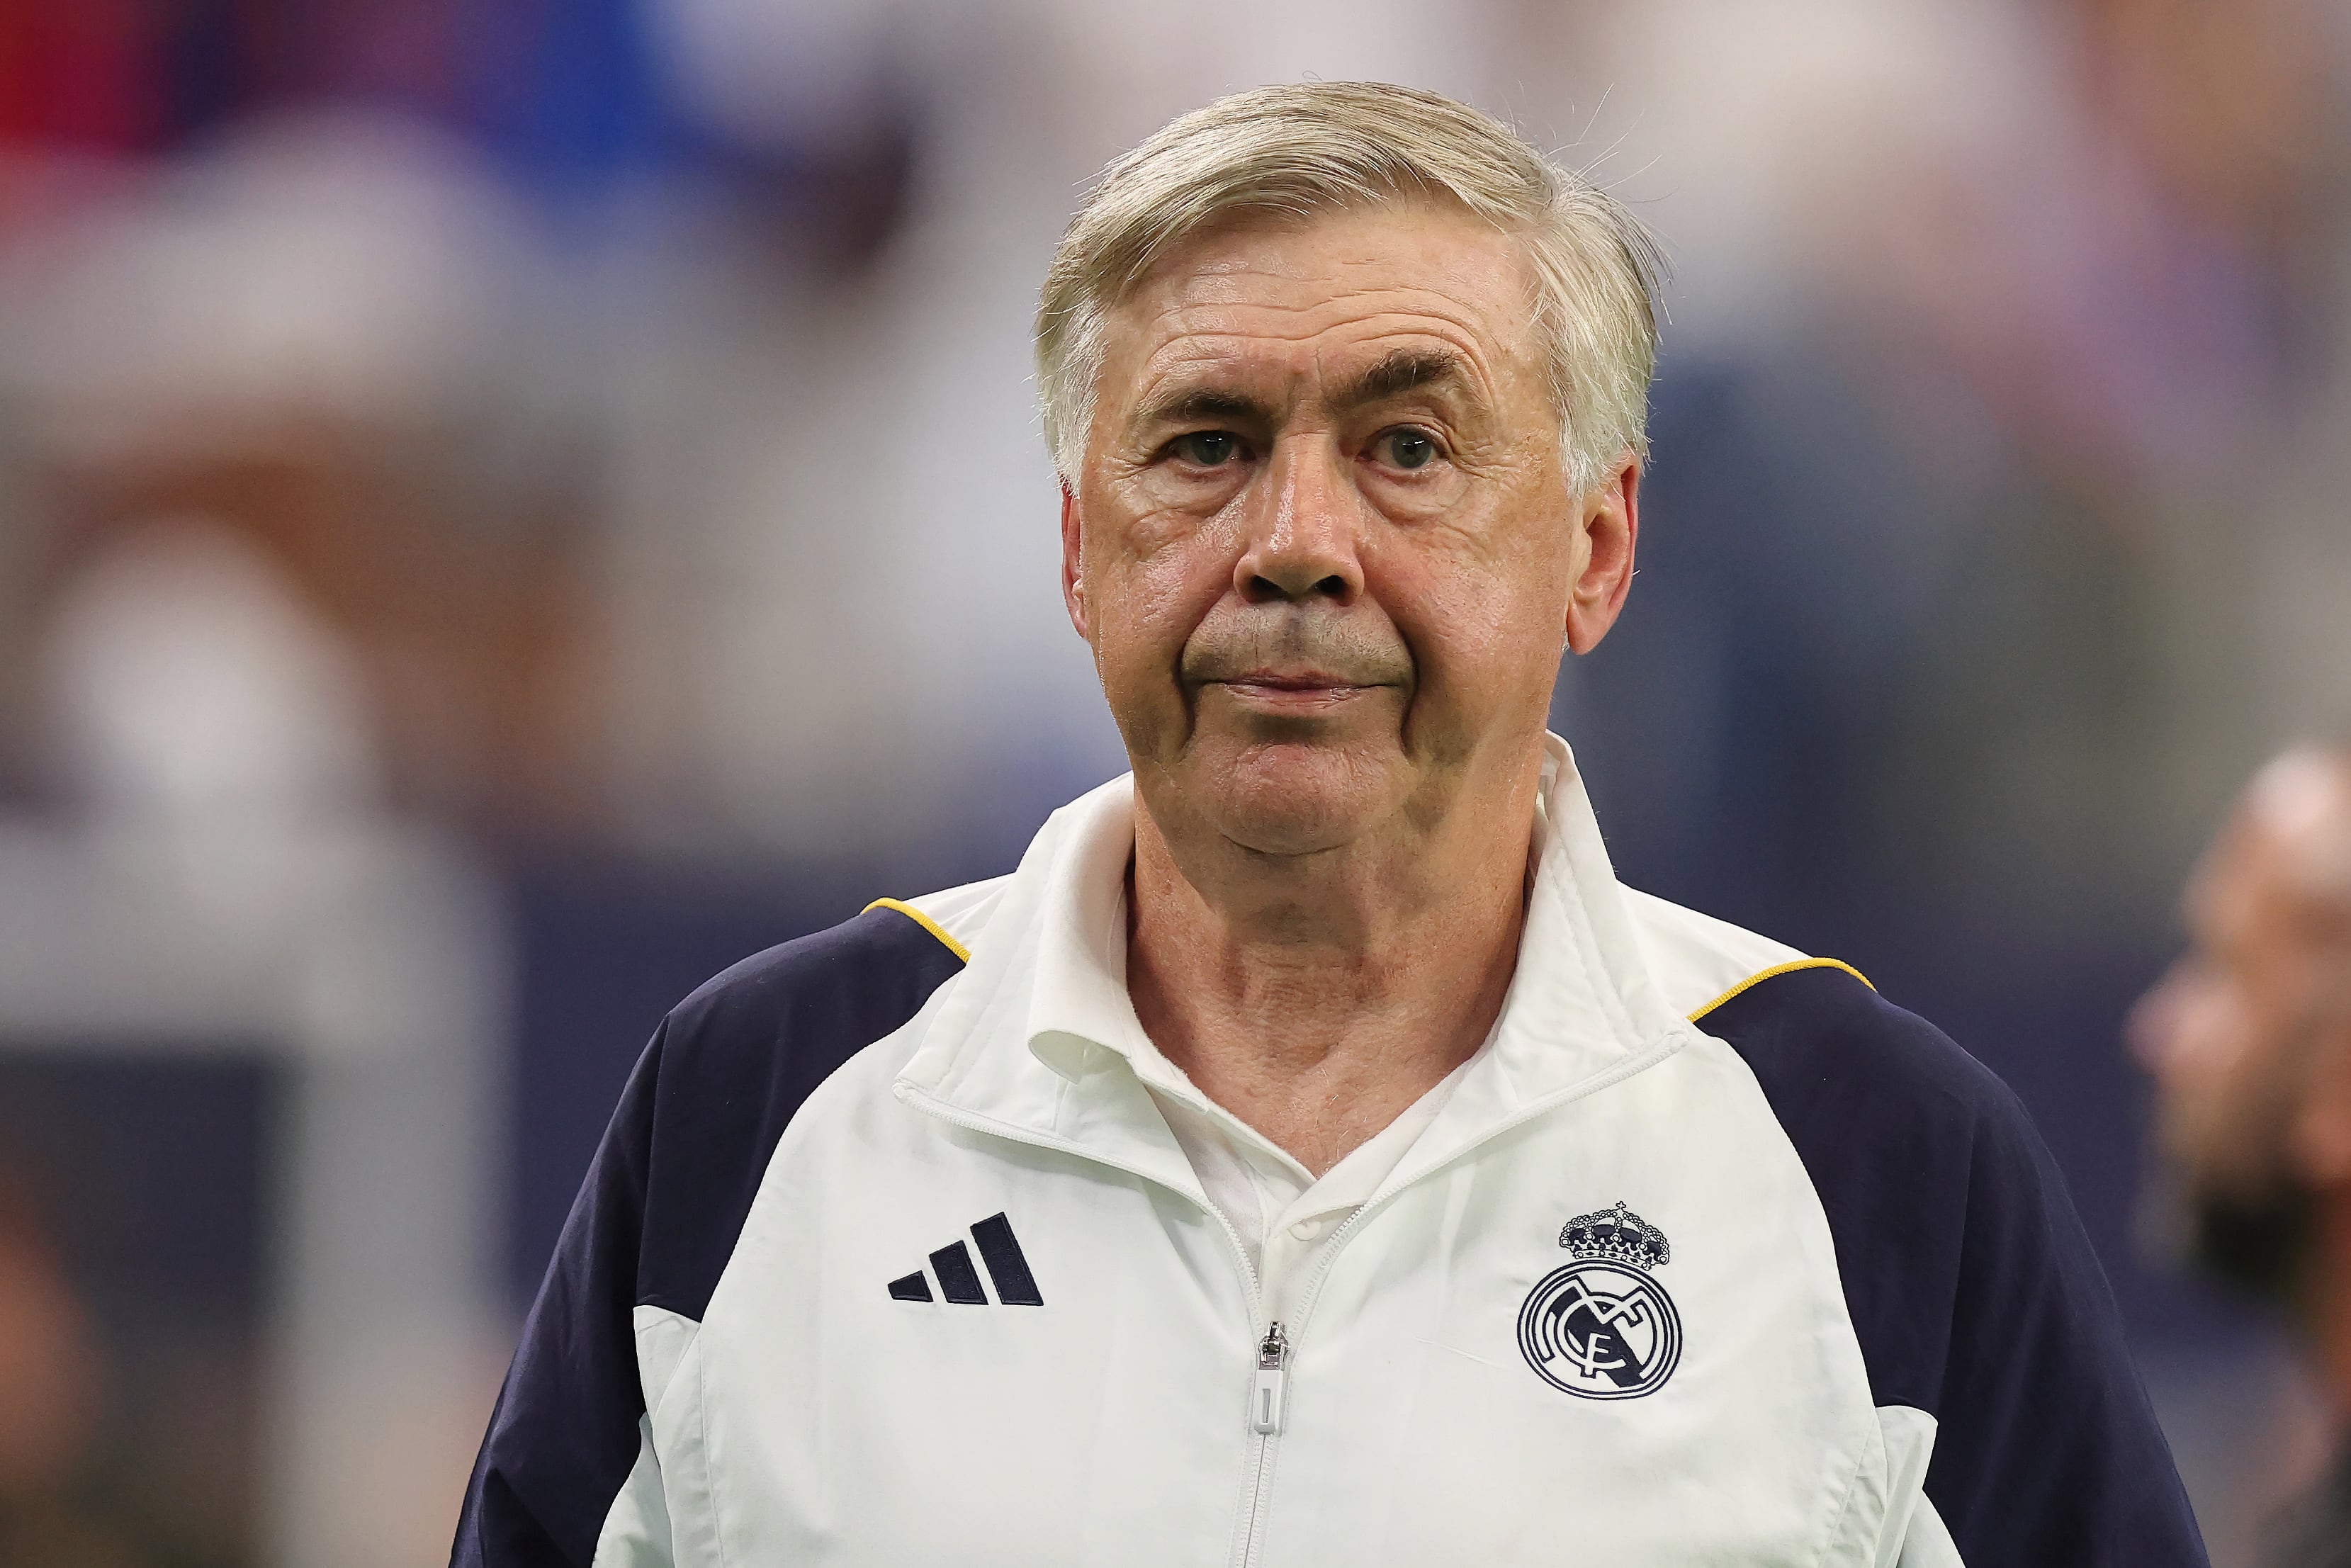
(1191, 405)
(1398, 372)
(1404, 370)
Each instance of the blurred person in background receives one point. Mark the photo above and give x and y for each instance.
(1293, 1098)
(2248, 1040)
(52, 1398)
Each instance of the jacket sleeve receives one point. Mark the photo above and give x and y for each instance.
(1970, 1284)
(567, 1465)
(567, 1450)
(2046, 1451)
(1926, 1544)
(636, 1532)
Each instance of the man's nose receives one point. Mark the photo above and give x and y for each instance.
(1305, 528)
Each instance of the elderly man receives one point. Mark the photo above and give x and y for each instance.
(2249, 1038)
(1311, 1154)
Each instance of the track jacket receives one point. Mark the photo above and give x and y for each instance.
(1712, 1256)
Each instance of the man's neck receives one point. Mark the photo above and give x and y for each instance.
(1317, 1002)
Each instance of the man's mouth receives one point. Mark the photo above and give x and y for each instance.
(1291, 689)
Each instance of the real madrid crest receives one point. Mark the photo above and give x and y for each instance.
(1602, 1327)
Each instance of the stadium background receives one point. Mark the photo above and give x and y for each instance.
(507, 506)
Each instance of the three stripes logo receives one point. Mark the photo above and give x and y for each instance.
(1008, 1270)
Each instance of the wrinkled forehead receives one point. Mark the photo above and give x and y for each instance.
(1305, 301)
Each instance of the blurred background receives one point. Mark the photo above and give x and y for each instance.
(509, 505)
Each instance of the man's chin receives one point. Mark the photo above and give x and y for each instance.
(1299, 800)
(1297, 824)
(1288, 838)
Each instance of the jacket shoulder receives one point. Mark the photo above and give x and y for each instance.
(732, 1065)
(844, 987)
(1818, 1028)
(1694, 958)
(1971, 1287)
(1891, 1120)
(660, 1212)
(961, 914)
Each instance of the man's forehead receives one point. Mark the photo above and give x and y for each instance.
(1408, 242)
(1362, 364)
(1343, 289)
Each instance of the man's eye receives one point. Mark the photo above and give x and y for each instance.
(1406, 448)
(1208, 448)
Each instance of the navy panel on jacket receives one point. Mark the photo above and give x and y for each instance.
(1971, 1286)
(660, 1214)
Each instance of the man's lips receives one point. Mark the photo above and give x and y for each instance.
(1291, 680)
(1288, 688)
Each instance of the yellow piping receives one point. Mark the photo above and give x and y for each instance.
(1789, 967)
(932, 926)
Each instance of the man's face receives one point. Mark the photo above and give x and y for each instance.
(2241, 1038)
(1322, 542)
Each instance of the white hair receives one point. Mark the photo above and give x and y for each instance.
(1289, 153)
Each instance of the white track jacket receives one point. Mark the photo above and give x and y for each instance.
(1711, 1256)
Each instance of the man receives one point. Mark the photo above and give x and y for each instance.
(1309, 1155)
(2248, 1038)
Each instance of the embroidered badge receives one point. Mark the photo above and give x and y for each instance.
(1602, 1327)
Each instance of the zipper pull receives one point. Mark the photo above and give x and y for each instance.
(1272, 1376)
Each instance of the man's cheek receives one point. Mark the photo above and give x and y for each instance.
(1139, 679)
(1179, 584)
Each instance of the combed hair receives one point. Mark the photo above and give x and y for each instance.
(1289, 153)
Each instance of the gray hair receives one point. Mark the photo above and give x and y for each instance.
(1289, 153)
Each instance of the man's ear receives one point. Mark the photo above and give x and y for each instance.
(1074, 587)
(1610, 520)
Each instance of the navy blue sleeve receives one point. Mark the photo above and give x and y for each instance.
(1972, 1288)
(659, 1215)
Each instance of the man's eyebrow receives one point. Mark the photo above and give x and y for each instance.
(1185, 405)
(1404, 370)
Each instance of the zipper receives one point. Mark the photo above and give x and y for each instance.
(1672, 1041)
(1267, 1395)
(1272, 1380)
(1270, 1389)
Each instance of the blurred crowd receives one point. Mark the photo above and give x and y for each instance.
(507, 506)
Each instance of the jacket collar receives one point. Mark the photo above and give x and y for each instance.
(1037, 1038)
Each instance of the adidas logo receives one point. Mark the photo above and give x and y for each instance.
(1008, 1270)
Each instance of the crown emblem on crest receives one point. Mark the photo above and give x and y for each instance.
(1616, 1235)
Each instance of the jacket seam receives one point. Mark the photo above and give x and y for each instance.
(1844, 1503)
(709, 1464)
(1774, 972)
(923, 920)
